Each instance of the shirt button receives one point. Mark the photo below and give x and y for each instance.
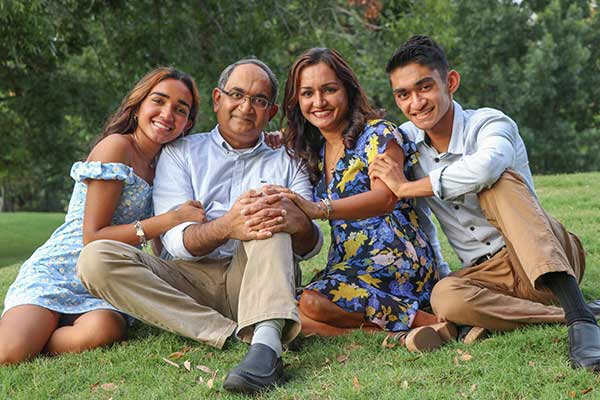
(437, 159)
(456, 207)
(472, 228)
(487, 243)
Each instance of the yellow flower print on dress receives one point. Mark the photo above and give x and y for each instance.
(356, 165)
(348, 292)
(370, 279)
(375, 264)
(355, 240)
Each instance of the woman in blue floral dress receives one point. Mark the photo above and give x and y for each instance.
(381, 267)
(47, 309)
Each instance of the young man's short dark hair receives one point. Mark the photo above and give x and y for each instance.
(421, 50)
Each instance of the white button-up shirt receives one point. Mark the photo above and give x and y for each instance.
(484, 143)
(205, 167)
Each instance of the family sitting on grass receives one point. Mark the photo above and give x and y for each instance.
(234, 213)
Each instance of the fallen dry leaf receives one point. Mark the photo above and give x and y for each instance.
(531, 363)
(108, 386)
(187, 365)
(388, 344)
(176, 355)
(200, 379)
(205, 369)
(464, 356)
(473, 387)
(586, 391)
(572, 393)
(210, 383)
(404, 385)
(327, 361)
(353, 346)
(170, 362)
(356, 383)
(94, 387)
(342, 358)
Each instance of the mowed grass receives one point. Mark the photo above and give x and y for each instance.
(22, 233)
(531, 363)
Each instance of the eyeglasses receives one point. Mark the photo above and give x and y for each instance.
(257, 102)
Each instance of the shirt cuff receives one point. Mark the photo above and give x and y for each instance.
(435, 177)
(315, 250)
(173, 241)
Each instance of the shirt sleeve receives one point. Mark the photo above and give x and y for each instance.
(495, 143)
(173, 187)
(300, 184)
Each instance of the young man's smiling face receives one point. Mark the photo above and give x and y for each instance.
(423, 96)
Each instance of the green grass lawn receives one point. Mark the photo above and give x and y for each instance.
(530, 363)
(22, 233)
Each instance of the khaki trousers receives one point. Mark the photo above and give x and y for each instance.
(203, 299)
(505, 292)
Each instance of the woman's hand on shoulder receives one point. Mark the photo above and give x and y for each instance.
(273, 139)
(190, 211)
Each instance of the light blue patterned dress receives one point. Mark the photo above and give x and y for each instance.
(48, 277)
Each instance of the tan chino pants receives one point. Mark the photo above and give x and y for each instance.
(505, 292)
(203, 300)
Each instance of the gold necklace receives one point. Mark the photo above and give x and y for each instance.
(336, 158)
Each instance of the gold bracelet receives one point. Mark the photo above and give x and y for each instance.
(327, 202)
(139, 231)
(323, 209)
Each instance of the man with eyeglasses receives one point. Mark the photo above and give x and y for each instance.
(234, 275)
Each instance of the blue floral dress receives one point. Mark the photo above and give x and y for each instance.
(48, 277)
(382, 266)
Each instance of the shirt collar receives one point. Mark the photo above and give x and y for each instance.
(456, 145)
(456, 140)
(226, 147)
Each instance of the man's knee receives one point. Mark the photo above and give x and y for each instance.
(448, 299)
(508, 179)
(92, 267)
(278, 247)
(277, 241)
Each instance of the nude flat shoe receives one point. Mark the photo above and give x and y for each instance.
(472, 334)
(420, 339)
(447, 330)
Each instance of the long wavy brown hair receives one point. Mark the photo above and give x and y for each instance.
(123, 122)
(301, 138)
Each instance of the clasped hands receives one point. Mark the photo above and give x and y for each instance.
(258, 215)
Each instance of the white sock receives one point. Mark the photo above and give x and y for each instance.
(269, 333)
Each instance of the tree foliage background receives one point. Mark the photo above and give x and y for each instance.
(66, 64)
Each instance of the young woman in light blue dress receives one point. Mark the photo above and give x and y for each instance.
(47, 309)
